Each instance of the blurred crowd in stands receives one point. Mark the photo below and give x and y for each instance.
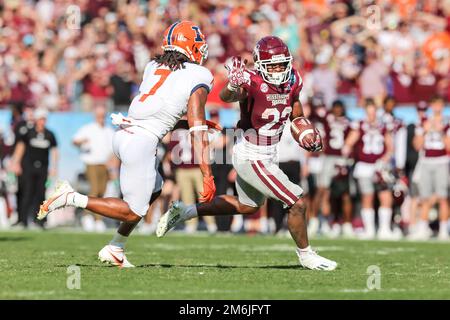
(78, 55)
(67, 55)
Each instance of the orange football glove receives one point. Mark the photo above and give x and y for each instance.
(209, 189)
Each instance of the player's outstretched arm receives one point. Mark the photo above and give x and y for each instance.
(233, 91)
(199, 135)
(232, 95)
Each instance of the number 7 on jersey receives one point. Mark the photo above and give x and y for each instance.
(163, 73)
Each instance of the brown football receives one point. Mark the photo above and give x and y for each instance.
(301, 128)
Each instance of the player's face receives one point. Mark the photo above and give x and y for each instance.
(389, 106)
(40, 123)
(371, 111)
(276, 67)
(437, 106)
(338, 111)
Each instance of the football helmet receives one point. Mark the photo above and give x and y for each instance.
(384, 175)
(185, 37)
(269, 51)
(399, 192)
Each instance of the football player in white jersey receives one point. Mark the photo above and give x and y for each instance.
(174, 84)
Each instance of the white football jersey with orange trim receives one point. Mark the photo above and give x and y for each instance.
(164, 94)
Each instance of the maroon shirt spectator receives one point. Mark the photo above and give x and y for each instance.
(424, 85)
(402, 87)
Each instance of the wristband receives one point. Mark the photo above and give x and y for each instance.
(198, 128)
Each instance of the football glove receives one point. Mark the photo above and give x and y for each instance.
(235, 67)
(209, 189)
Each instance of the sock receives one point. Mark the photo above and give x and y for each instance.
(304, 250)
(385, 216)
(422, 226)
(118, 240)
(443, 226)
(77, 200)
(191, 212)
(368, 217)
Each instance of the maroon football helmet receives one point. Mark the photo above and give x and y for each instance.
(272, 50)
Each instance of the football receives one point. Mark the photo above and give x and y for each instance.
(301, 128)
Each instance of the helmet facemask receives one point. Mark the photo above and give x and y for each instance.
(276, 78)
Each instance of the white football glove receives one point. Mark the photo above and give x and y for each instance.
(236, 68)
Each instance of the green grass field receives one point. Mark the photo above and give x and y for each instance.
(34, 265)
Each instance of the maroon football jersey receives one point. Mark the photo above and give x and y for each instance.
(392, 123)
(335, 131)
(267, 107)
(371, 145)
(434, 144)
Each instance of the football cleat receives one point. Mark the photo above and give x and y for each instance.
(114, 255)
(388, 235)
(367, 235)
(57, 200)
(443, 235)
(311, 260)
(173, 216)
(347, 230)
(420, 234)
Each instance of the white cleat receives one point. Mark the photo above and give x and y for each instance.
(347, 230)
(115, 256)
(367, 235)
(388, 235)
(57, 200)
(443, 235)
(420, 235)
(335, 231)
(311, 260)
(173, 216)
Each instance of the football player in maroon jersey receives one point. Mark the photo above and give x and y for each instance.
(336, 127)
(432, 139)
(268, 96)
(373, 152)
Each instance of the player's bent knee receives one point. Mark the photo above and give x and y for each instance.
(248, 210)
(299, 207)
(132, 217)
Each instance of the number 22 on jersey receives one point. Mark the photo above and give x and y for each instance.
(163, 74)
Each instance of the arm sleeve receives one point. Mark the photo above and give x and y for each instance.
(354, 125)
(22, 136)
(80, 134)
(202, 79)
(53, 142)
(419, 130)
(400, 143)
